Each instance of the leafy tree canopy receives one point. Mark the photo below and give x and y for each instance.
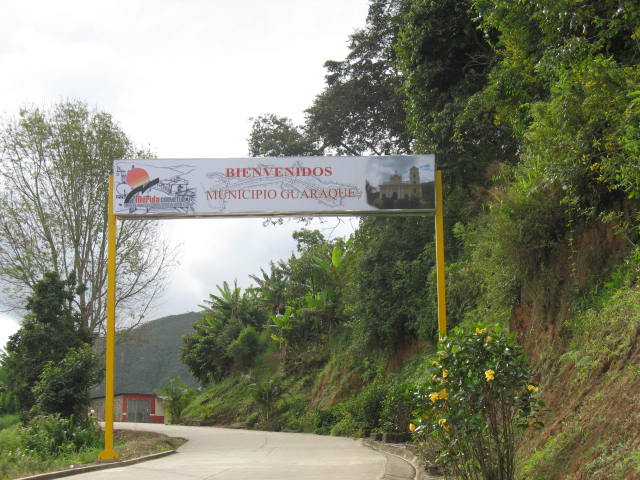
(51, 329)
(53, 196)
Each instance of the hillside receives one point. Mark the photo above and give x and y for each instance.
(148, 356)
(580, 324)
(532, 110)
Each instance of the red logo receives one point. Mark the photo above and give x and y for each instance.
(136, 176)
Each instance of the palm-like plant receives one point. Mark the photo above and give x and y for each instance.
(271, 288)
(231, 305)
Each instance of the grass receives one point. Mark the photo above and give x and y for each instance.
(129, 444)
(8, 420)
(594, 390)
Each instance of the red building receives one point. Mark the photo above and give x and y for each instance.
(132, 407)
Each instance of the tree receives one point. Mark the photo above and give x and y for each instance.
(231, 306)
(361, 110)
(446, 61)
(204, 354)
(49, 331)
(273, 136)
(270, 288)
(244, 349)
(7, 399)
(206, 351)
(53, 205)
(387, 293)
(64, 386)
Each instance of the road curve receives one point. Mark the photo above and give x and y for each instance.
(219, 454)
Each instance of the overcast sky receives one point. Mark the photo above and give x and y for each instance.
(182, 78)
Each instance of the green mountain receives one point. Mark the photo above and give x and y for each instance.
(149, 355)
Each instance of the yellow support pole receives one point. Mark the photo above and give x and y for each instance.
(109, 453)
(441, 284)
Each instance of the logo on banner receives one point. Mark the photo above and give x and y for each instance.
(137, 192)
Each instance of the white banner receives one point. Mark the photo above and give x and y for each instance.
(303, 186)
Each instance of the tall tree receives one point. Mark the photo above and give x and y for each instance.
(361, 110)
(446, 61)
(53, 212)
(273, 136)
(50, 330)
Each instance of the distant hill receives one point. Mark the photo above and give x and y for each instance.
(149, 355)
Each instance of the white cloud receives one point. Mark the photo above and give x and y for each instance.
(8, 326)
(182, 77)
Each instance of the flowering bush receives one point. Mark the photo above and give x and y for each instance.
(476, 404)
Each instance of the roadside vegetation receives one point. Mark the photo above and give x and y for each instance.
(46, 374)
(533, 112)
(53, 444)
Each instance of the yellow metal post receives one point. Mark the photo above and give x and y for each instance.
(442, 297)
(109, 453)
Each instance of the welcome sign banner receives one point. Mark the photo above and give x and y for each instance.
(274, 186)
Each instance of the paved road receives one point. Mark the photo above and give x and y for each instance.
(221, 454)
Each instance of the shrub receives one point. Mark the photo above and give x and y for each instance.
(476, 404)
(323, 421)
(266, 394)
(366, 408)
(395, 410)
(52, 435)
(244, 349)
(176, 395)
(64, 386)
(346, 427)
(8, 420)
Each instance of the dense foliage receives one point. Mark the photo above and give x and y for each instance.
(54, 167)
(51, 435)
(533, 111)
(48, 363)
(176, 396)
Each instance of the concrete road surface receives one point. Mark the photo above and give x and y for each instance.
(219, 453)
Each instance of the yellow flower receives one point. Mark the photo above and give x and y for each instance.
(442, 422)
(445, 373)
(412, 427)
(435, 364)
(490, 375)
(532, 388)
(441, 395)
(489, 339)
(480, 331)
